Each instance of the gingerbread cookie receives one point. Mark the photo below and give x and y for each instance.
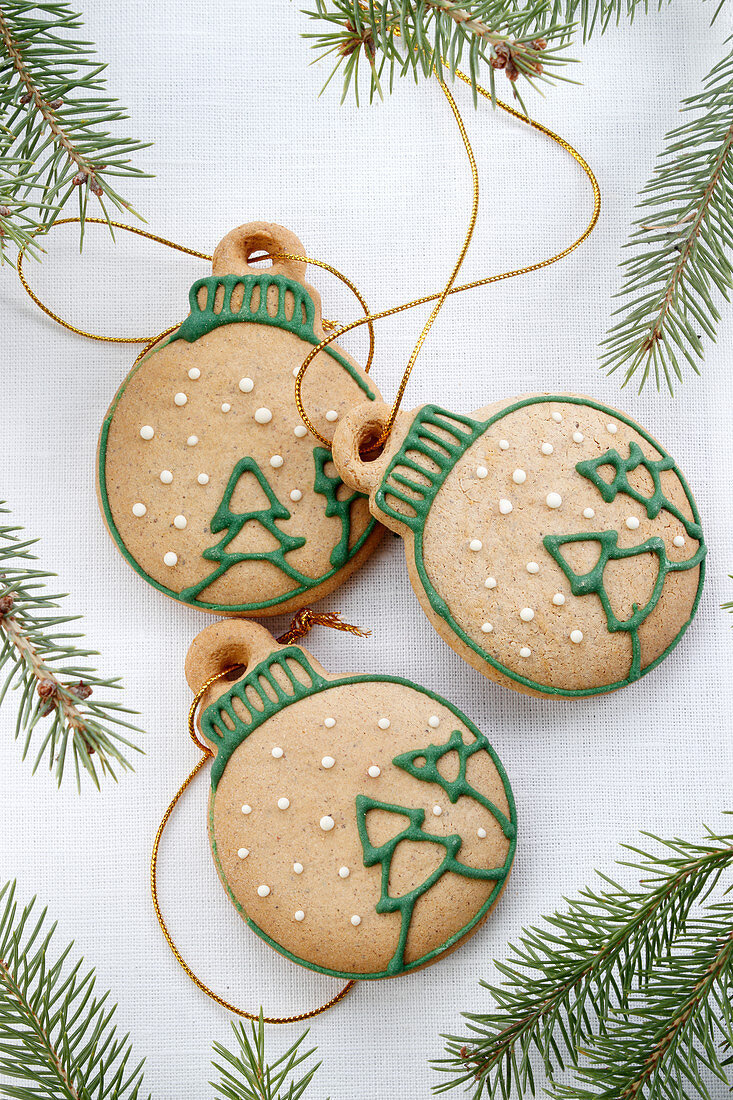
(361, 825)
(209, 482)
(550, 540)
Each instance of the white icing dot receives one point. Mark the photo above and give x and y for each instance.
(276, 461)
(344, 872)
(139, 510)
(482, 472)
(504, 444)
(332, 415)
(589, 513)
(300, 431)
(166, 477)
(490, 582)
(434, 721)
(519, 477)
(328, 762)
(180, 399)
(532, 567)
(283, 803)
(558, 599)
(194, 374)
(553, 500)
(327, 823)
(329, 723)
(632, 522)
(296, 372)
(487, 628)
(557, 417)
(356, 920)
(180, 522)
(678, 540)
(296, 495)
(243, 853)
(481, 833)
(225, 407)
(263, 890)
(170, 558)
(578, 437)
(203, 479)
(263, 415)
(277, 752)
(612, 428)
(475, 544)
(505, 506)
(299, 914)
(374, 771)
(246, 809)
(298, 868)
(437, 810)
(547, 448)
(384, 723)
(525, 651)
(526, 614)
(192, 440)
(246, 385)
(147, 432)
(576, 636)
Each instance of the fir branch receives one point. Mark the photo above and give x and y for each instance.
(57, 1038)
(49, 671)
(665, 1040)
(674, 283)
(401, 37)
(245, 1075)
(54, 135)
(565, 981)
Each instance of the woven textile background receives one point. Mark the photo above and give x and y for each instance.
(226, 94)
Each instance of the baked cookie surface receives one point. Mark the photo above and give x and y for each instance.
(361, 825)
(209, 482)
(551, 541)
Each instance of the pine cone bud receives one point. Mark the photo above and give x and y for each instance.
(56, 104)
(5, 211)
(80, 690)
(79, 179)
(46, 689)
(511, 70)
(539, 44)
(538, 67)
(6, 604)
(96, 187)
(26, 98)
(501, 56)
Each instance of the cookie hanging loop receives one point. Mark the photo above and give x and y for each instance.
(260, 240)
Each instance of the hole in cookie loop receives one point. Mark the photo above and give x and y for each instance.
(234, 673)
(257, 256)
(367, 446)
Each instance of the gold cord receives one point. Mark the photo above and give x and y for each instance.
(150, 341)
(335, 330)
(449, 288)
(301, 624)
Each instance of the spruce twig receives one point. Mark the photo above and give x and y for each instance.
(682, 265)
(49, 671)
(246, 1075)
(625, 977)
(401, 37)
(55, 135)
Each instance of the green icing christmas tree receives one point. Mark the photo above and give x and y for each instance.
(592, 582)
(423, 765)
(233, 522)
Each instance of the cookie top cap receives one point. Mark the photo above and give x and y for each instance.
(233, 253)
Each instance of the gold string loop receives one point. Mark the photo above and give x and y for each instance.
(301, 624)
(449, 287)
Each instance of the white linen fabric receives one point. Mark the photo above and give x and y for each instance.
(226, 94)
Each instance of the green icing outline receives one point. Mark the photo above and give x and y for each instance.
(198, 323)
(227, 740)
(445, 453)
